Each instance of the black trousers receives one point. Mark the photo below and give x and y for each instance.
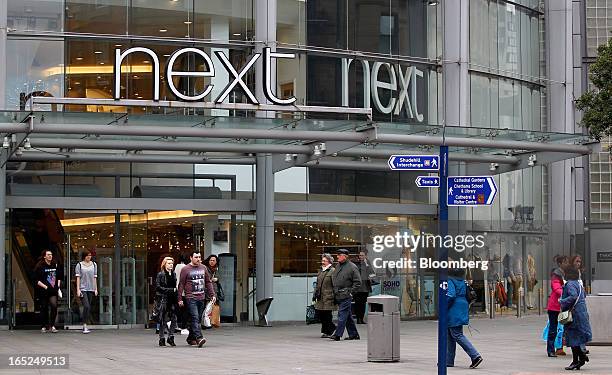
(578, 354)
(327, 325)
(48, 304)
(552, 330)
(360, 299)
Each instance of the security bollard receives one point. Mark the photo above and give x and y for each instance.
(492, 304)
(540, 300)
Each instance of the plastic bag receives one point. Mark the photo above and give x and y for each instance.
(206, 315)
(558, 339)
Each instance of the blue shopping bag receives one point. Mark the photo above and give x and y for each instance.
(558, 339)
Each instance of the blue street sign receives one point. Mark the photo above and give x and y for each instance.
(414, 162)
(471, 191)
(427, 181)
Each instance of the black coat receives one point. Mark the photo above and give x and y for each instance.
(165, 289)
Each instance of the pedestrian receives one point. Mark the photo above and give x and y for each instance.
(48, 280)
(346, 281)
(553, 307)
(458, 316)
(86, 273)
(576, 261)
(166, 300)
(195, 282)
(212, 263)
(323, 296)
(361, 297)
(578, 331)
(182, 313)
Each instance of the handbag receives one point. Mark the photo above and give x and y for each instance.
(155, 312)
(311, 315)
(565, 317)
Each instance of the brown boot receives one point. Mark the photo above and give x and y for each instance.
(560, 352)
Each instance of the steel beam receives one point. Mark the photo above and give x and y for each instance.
(129, 158)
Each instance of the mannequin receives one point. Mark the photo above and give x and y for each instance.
(531, 281)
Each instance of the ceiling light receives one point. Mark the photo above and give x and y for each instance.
(163, 30)
(236, 34)
(79, 58)
(146, 62)
(98, 52)
(187, 22)
(102, 63)
(118, 45)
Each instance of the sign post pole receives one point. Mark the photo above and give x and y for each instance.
(443, 257)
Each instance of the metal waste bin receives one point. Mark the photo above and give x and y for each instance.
(383, 329)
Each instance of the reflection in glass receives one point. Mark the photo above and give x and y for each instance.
(32, 15)
(98, 17)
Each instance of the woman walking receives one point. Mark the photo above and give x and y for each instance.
(48, 281)
(86, 272)
(212, 264)
(323, 296)
(457, 318)
(578, 332)
(166, 300)
(553, 308)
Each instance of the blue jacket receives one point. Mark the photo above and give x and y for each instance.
(578, 332)
(457, 303)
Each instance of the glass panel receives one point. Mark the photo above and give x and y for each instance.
(33, 66)
(35, 15)
(97, 16)
(326, 23)
(161, 18)
(226, 20)
(291, 22)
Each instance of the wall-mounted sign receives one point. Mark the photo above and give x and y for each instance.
(471, 190)
(604, 256)
(235, 76)
(402, 80)
(414, 162)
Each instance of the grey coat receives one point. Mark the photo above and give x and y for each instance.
(346, 280)
(365, 270)
(325, 291)
(578, 332)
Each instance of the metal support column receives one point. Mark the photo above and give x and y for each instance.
(264, 241)
(117, 269)
(3, 158)
(443, 257)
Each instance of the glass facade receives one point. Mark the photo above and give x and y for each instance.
(382, 54)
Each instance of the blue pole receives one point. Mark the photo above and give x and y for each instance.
(442, 256)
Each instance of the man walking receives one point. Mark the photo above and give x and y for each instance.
(346, 281)
(195, 282)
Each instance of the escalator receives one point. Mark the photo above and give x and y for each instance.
(32, 231)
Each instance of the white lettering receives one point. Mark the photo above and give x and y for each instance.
(119, 59)
(171, 73)
(376, 84)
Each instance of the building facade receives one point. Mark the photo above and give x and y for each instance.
(273, 188)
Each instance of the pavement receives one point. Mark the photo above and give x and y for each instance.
(509, 345)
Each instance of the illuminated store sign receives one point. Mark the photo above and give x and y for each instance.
(401, 80)
(235, 76)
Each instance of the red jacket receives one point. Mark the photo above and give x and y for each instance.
(556, 286)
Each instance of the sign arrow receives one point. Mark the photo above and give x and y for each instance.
(427, 181)
(471, 190)
(414, 162)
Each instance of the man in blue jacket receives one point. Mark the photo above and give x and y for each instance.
(458, 316)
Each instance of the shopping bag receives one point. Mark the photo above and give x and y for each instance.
(206, 315)
(559, 338)
(215, 316)
(545, 331)
(311, 315)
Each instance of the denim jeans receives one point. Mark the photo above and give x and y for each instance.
(196, 309)
(455, 336)
(345, 319)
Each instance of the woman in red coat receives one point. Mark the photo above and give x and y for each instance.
(553, 307)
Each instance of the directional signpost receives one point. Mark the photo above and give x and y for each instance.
(414, 163)
(471, 191)
(427, 181)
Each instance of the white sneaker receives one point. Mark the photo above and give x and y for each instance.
(86, 330)
(53, 330)
(184, 331)
(43, 330)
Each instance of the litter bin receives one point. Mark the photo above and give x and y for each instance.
(383, 329)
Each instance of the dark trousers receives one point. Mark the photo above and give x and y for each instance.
(182, 315)
(327, 325)
(578, 354)
(48, 304)
(360, 299)
(167, 314)
(345, 319)
(196, 309)
(87, 301)
(553, 317)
